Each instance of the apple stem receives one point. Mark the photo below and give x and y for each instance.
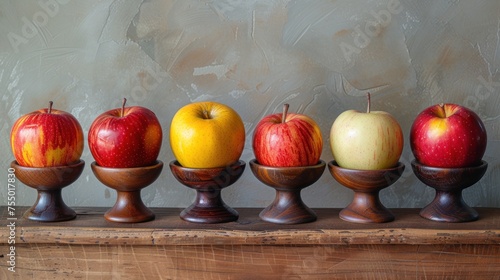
(123, 107)
(443, 111)
(369, 102)
(49, 110)
(285, 111)
(205, 115)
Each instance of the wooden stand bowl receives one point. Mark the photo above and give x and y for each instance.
(208, 207)
(448, 204)
(366, 184)
(128, 182)
(49, 181)
(288, 207)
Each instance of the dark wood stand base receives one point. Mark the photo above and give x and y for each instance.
(448, 204)
(49, 182)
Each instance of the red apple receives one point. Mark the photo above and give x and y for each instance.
(125, 137)
(286, 140)
(47, 137)
(448, 135)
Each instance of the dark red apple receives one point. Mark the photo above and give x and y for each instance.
(449, 136)
(125, 137)
(286, 140)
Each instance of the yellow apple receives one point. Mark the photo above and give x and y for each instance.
(366, 141)
(207, 135)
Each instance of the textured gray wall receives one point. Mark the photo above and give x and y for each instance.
(319, 56)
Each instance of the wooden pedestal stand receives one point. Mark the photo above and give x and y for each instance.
(288, 207)
(49, 182)
(448, 204)
(366, 184)
(208, 206)
(128, 182)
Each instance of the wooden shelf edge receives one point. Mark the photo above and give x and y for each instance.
(168, 229)
(85, 236)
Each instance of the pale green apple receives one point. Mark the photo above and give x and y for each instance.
(366, 141)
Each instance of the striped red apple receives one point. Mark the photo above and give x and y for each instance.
(47, 137)
(287, 140)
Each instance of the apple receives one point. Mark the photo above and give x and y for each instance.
(366, 141)
(287, 140)
(207, 135)
(449, 136)
(125, 137)
(47, 137)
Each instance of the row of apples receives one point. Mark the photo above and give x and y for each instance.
(207, 139)
(210, 134)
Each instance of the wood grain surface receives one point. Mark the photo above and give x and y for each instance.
(410, 247)
(66, 261)
(168, 229)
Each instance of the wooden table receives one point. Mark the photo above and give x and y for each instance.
(411, 247)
